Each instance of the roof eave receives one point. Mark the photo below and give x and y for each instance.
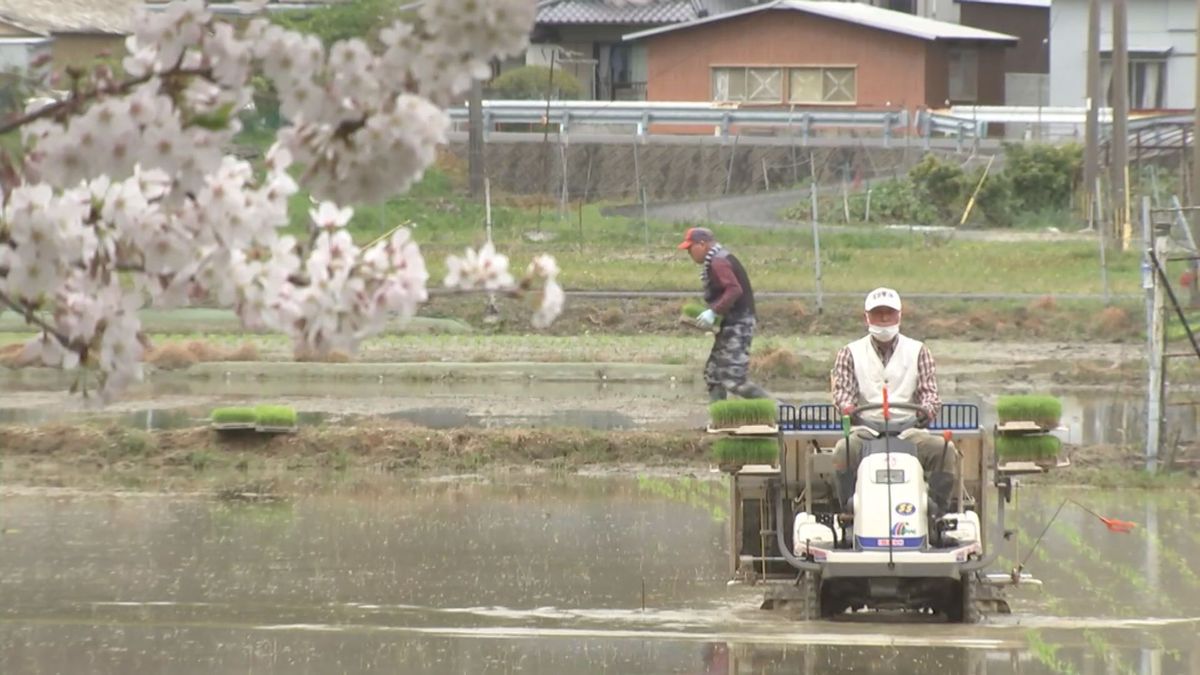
(629, 37)
(928, 37)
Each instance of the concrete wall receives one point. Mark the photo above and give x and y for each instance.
(1153, 24)
(1026, 89)
(677, 172)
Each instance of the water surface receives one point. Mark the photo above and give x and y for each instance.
(540, 575)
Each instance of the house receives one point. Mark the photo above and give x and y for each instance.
(1027, 65)
(940, 10)
(73, 32)
(585, 38)
(1162, 53)
(824, 54)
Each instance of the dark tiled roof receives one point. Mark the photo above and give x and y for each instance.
(617, 12)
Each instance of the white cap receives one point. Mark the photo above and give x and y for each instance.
(883, 297)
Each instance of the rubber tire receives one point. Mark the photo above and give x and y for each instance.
(811, 610)
(965, 610)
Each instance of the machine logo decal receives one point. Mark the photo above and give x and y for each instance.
(906, 508)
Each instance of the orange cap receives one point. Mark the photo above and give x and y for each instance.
(695, 235)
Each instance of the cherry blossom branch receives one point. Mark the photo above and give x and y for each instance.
(26, 311)
(76, 98)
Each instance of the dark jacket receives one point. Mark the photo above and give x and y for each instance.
(729, 293)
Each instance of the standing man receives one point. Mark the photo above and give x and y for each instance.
(886, 357)
(728, 294)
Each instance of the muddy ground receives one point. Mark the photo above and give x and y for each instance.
(931, 319)
(638, 368)
(95, 456)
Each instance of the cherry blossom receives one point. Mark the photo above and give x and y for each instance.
(126, 196)
(483, 269)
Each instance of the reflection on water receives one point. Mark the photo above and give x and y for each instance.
(541, 575)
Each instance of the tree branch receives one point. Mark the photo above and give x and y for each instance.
(30, 318)
(95, 92)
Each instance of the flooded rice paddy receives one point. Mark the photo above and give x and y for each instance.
(1093, 417)
(541, 574)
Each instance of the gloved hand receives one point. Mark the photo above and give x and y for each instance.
(924, 417)
(706, 319)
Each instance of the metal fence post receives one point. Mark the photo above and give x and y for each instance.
(1158, 338)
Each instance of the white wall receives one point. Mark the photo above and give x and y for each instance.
(1153, 24)
(14, 57)
(942, 10)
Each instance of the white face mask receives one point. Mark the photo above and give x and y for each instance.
(884, 333)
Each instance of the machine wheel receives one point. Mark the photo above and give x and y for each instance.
(810, 609)
(966, 609)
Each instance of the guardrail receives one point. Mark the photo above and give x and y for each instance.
(963, 124)
(961, 129)
(642, 114)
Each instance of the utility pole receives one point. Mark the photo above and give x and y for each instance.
(1120, 123)
(1091, 148)
(475, 168)
(1195, 196)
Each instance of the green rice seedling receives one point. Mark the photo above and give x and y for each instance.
(737, 451)
(233, 415)
(1045, 411)
(692, 309)
(275, 416)
(1027, 447)
(233, 418)
(740, 413)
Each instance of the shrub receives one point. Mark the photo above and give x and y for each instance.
(994, 204)
(943, 184)
(898, 201)
(531, 82)
(1043, 176)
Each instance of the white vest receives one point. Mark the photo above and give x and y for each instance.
(900, 374)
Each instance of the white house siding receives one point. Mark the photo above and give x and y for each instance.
(942, 10)
(17, 54)
(14, 58)
(1153, 25)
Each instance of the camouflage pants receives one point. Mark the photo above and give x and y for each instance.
(728, 363)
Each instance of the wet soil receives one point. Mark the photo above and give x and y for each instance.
(107, 456)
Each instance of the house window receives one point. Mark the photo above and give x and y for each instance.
(822, 85)
(964, 75)
(748, 85)
(1147, 81)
